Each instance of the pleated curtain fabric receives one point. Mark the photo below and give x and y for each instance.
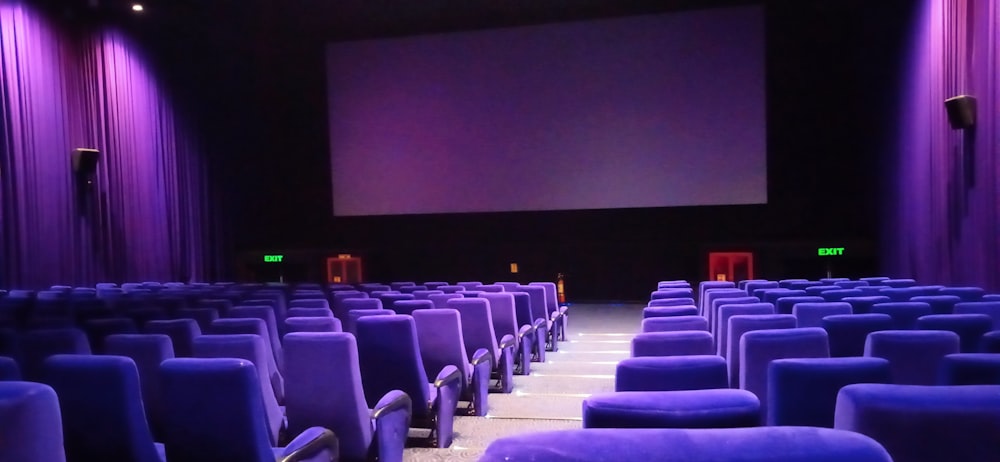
(942, 204)
(149, 213)
(941, 210)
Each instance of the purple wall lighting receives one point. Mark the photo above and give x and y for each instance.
(943, 208)
(146, 216)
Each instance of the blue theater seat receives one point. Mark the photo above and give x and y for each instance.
(682, 343)
(760, 347)
(802, 284)
(717, 408)
(874, 280)
(914, 355)
(787, 283)
(718, 303)
(969, 327)
(803, 391)
(31, 423)
(838, 295)
(991, 309)
(669, 373)
(970, 369)
(751, 286)
(439, 334)
(9, 370)
(672, 302)
(102, 410)
(848, 332)
(917, 423)
(940, 304)
(670, 293)
(966, 294)
(863, 305)
(772, 444)
(674, 324)
(668, 311)
(772, 296)
(728, 311)
(315, 361)
(740, 325)
(786, 304)
(706, 285)
(214, 413)
(390, 359)
(313, 324)
(812, 314)
(904, 314)
(990, 342)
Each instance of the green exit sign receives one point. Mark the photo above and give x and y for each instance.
(273, 258)
(831, 251)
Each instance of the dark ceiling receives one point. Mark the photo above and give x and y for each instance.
(350, 19)
(366, 18)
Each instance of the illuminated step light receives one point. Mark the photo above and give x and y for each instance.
(589, 352)
(565, 395)
(604, 334)
(576, 376)
(606, 363)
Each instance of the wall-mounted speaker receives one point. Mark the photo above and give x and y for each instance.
(85, 161)
(961, 111)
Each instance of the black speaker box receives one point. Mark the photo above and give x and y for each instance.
(85, 161)
(961, 111)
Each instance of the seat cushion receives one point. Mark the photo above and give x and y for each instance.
(718, 408)
(773, 444)
(671, 373)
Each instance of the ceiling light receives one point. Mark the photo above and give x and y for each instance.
(137, 7)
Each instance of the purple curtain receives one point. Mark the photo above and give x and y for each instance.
(146, 215)
(943, 222)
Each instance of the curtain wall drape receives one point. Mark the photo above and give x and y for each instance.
(943, 210)
(145, 214)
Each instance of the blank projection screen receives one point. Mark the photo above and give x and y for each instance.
(644, 111)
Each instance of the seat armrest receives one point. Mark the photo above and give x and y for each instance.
(449, 385)
(283, 431)
(449, 376)
(508, 341)
(393, 401)
(479, 383)
(310, 443)
(392, 417)
(525, 330)
(480, 356)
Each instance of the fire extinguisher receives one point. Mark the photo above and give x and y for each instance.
(561, 287)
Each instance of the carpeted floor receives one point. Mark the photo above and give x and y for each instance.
(550, 398)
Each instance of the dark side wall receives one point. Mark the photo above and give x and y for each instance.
(253, 79)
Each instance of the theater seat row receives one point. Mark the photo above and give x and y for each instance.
(677, 379)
